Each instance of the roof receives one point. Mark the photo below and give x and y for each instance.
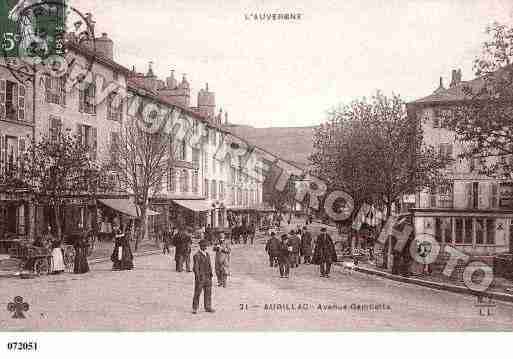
(98, 57)
(459, 92)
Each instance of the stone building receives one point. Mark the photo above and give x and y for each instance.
(472, 212)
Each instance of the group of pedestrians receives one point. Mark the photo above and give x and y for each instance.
(288, 251)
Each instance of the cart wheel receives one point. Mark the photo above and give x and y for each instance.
(41, 266)
(69, 260)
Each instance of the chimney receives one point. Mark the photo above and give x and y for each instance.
(456, 78)
(171, 81)
(440, 86)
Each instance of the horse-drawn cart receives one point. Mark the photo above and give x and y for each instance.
(39, 259)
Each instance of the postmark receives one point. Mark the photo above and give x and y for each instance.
(36, 35)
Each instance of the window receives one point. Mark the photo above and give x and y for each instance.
(171, 180)
(480, 230)
(445, 195)
(205, 188)
(182, 150)
(55, 128)
(195, 157)
(55, 90)
(12, 101)
(87, 136)
(490, 231)
(214, 165)
(195, 181)
(467, 238)
(114, 108)
(213, 137)
(205, 161)
(87, 94)
(458, 230)
(114, 147)
(232, 175)
(445, 150)
(214, 189)
(221, 190)
(184, 181)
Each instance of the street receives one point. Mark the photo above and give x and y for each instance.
(154, 297)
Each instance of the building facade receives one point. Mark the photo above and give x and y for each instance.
(471, 212)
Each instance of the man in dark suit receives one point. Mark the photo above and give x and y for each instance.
(202, 278)
(324, 253)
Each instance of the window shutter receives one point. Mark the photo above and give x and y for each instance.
(48, 87)
(15, 96)
(469, 194)
(62, 87)
(81, 99)
(21, 102)
(2, 153)
(460, 198)
(483, 193)
(21, 152)
(79, 133)
(494, 200)
(94, 142)
(2, 98)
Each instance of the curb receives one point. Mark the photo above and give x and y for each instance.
(139, 254)
(435, 285)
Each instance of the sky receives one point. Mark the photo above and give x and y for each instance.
(290, 73)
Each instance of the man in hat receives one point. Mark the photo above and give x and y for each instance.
(272, 248)
(284, 252)
(306, 245)
(222, 264)
(295, 243)
(202, 278)
(324, 253)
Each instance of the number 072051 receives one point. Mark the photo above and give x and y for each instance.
(22, 346)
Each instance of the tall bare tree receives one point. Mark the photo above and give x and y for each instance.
(142, 159)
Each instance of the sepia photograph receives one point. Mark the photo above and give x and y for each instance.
(255, 166)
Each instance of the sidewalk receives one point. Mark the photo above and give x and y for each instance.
(497, 291)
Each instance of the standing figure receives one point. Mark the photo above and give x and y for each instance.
(81, 246)
(272, 248)
(127, 258)
(202, 278)
(284, 252)
(187, 248)
(295, 243)
(222, 263)
(166, 240)
(57, 254)
(183, 244)
(252, 232)
(324, 253)
(306, 245)
(177, 242)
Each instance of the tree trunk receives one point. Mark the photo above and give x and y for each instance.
(143, 225)
(389, 239)
(57, 213)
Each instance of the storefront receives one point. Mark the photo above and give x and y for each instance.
(193, 213)
(474, 232)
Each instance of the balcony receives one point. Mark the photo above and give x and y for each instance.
(183, 164)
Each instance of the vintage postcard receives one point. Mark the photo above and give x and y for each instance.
(178, 166)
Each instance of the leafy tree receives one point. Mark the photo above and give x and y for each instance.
(484, 118)
(59, 169)
(372, 151)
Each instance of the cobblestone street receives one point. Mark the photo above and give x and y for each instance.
(154, 297)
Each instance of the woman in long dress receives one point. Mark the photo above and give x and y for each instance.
(121, 257)
(57, 255)
(81, 246)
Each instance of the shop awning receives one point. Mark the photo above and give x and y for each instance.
(125, 206)
(196, 205)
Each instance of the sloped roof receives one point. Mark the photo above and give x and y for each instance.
(453, 94)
